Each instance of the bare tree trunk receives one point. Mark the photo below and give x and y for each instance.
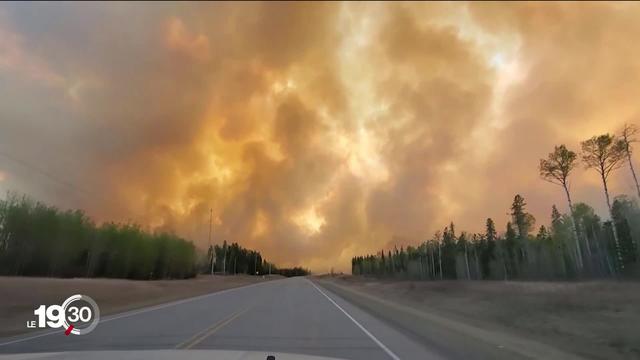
(478, 272)
(88, 266)
(613, 224)
(635, 179)
(587, 246)
(440, 258)
(602, 256)
(393, 265)
(429, 262)
(586, 239)
(580, 262)
(504, 264)
(433, 264)
(466, 261)
(563, 263)
(633, 172)
(611, 270)
(425, 267)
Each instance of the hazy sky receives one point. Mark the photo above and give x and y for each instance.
(315, 131)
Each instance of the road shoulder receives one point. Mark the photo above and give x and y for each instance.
(21, 295)
(452, 338)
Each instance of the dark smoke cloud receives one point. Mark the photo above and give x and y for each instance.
(315, 131)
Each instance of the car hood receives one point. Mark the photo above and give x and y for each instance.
(163, 355)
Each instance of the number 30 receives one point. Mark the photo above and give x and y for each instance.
(83, 314)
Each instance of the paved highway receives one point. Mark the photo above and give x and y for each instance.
(287, 316)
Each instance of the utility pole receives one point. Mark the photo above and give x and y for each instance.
(210, 229)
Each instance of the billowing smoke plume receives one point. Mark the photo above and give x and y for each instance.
(315, 131)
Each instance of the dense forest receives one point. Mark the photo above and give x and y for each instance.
(234, 259)
(41, 240)
(574, 245)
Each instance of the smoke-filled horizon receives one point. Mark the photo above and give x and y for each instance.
(315, 131)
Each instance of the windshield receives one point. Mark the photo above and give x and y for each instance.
(319, 180)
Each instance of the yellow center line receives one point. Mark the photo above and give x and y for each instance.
(199, 337)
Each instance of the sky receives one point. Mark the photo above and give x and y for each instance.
(314, 131)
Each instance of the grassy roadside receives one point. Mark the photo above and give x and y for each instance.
(19, 296)
(593, 320)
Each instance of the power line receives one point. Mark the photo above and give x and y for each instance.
(28, 166)
(69, 185)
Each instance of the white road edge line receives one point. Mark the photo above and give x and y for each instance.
(382, 346)
(140, 311)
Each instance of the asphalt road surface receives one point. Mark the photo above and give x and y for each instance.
(288, 316)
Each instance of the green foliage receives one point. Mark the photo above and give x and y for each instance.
(626, 215)
(235, 259)
(603, 153)
(522, 220)
(573, 246)
(487, 248)
(40, 240)
(551, 254)
(558, 165)
(448, 252)
(295, 271)
(510, 247)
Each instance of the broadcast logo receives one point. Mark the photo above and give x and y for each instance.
(78, 315)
